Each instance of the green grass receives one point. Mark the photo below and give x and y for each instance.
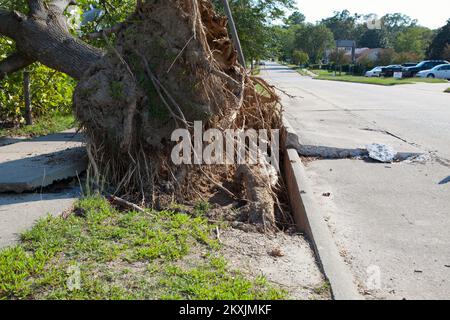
(42, 126)
(323, 289)
(321, 72)
(447, 91)
(329, 75)
(101, 253)
(356, 79)
(377, 81)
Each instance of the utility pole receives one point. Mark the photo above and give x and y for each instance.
(234, 34)
(26, 93)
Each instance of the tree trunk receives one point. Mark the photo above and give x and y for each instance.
(27, 98)
(43, 36)
(173, 63)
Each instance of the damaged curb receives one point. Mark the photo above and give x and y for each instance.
(309, 220)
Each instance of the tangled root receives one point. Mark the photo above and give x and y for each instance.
(171, 65)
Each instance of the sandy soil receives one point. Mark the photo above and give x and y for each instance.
(285, 260)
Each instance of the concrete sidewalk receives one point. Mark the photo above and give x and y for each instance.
(19, 212)
(26, 168)
(37, 163)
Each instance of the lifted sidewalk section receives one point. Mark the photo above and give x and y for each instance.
(37, 163)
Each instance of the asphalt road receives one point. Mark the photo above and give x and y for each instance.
(390, 221)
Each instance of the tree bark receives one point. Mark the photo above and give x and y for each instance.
(14, 63)
(27, 98)
(43, 36)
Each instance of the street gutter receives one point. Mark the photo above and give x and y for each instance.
(309, 220)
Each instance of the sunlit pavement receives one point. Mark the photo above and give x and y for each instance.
(390, 221)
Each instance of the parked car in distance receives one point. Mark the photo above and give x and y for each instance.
(424, 65)
(441, 71)
(390, 70)
(409, 64)
(375, 72)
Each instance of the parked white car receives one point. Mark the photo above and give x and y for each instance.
(375, 72)
(441, 71)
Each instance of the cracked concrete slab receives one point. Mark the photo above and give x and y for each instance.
(37, 163)
(4, 141)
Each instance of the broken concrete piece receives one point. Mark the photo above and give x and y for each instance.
(40, 162)
(381, 152)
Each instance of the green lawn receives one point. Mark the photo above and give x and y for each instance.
(42, 126)
(99, 252)
(296, 68)
(326, 75)
(448, 90)
(356, 79)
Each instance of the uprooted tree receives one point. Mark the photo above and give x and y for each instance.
(172, 63)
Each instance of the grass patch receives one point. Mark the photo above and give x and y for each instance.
(428, 80)
(102, 253)
(320, 72)
(323, 289)
(375, 81)
(447, 91)
(297, 68)
(42, 126)
(357, 79)
(330, 76)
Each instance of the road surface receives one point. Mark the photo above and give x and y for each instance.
(390, 221)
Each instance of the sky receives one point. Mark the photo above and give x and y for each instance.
(432, 14)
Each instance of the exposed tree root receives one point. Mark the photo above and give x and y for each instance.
(172, 64)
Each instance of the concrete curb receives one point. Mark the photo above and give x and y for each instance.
(309, 220)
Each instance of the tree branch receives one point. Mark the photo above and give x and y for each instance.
(9, 22)
(43, 36)
(13, 63)
(106, 32)
(61, 5)
(37, 8)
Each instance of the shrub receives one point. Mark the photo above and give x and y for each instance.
(300, 57)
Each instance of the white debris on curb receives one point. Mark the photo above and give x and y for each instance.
(381, 152)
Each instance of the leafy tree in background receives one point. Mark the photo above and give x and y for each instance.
(439, 43)
(372, 39)
(414, 40)
(394, 23)
(285, 35)
(284, 42)
(446, 54)
(339, 57)
(367, 62)
(403, 57)
(314, 40)
(397, 22)
(295, 19)
(253, 19)
(343, 25)
(386, 57)
(300, 57)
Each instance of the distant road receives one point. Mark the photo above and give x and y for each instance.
(392, 218)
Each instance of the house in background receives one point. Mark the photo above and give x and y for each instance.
(356, 55)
